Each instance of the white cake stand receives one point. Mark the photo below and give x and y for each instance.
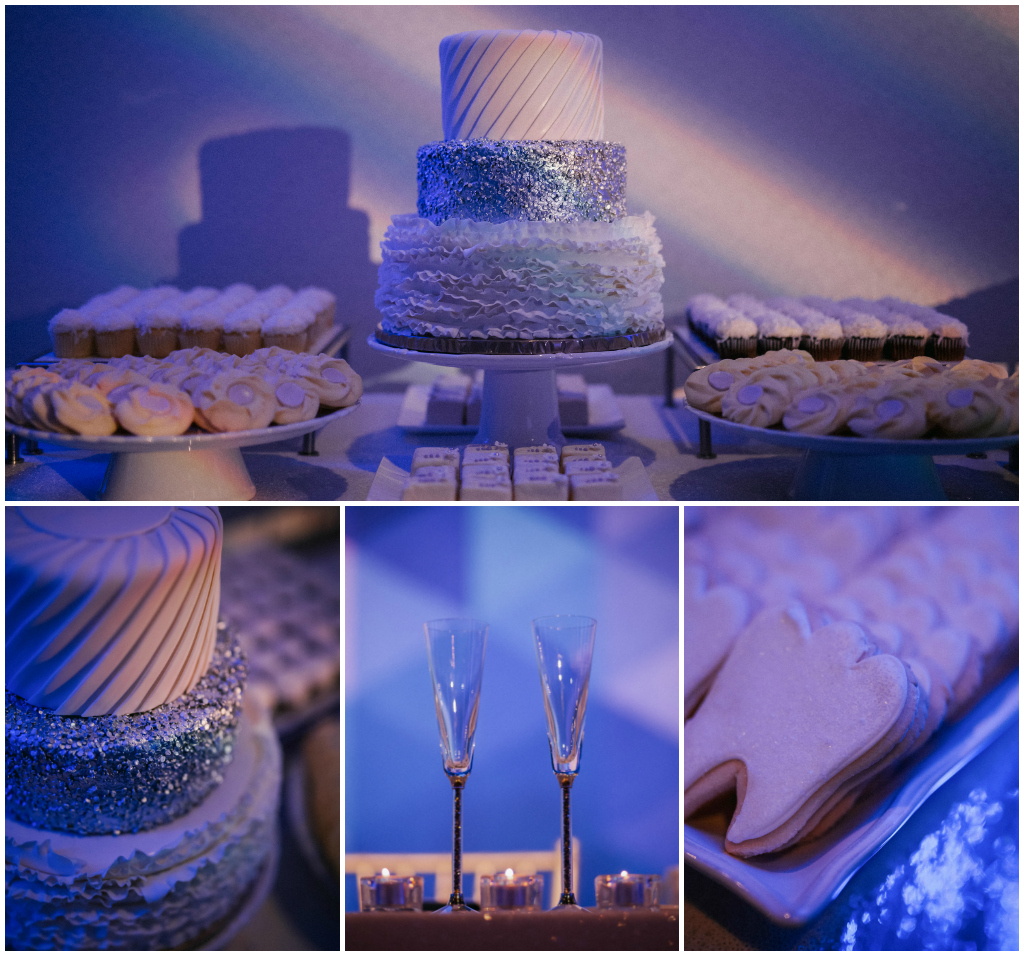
(519, 405)
(197, 466)
(837, 468)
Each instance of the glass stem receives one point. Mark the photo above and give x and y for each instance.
(456, 899)
(567, 898)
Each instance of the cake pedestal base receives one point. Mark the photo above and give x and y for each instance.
(519, 405)
(181, 475)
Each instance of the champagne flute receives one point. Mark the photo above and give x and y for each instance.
(455, 651)
(565, 647)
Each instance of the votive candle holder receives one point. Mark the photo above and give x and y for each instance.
(506, 891)
(384, 893)
(627, 891)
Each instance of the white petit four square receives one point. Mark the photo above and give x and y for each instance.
(424, 457)
(484, 469)
(524, 461)
(544, 449)
(484, 458)
(604, 486)
(587, 466)
(498, 446)
(541, 486)
(427, 485)
(593, 450)
(486, 489)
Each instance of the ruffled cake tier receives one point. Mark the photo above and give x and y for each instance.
(170, 887)
(121, 774)
(521, 281)
(526, 180)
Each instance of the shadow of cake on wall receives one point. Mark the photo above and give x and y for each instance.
(275, 210)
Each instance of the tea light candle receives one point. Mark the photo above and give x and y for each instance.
(506, 891)
(385, 892)
(627, 890)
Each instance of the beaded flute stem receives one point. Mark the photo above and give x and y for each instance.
(456, 898)
(567, 898)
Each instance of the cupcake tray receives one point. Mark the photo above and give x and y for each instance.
(603, 411)
(196, 466)
(520, 402)
(791, 887)
(839, 468)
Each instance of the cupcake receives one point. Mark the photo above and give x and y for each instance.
(288, 328)
(823, 335)
(733, 335)
(865, 334)
(202, 327)
(275, 296)
(109, 300)
(907, 336)
(700, 311)
(948, 340)
(322, 303)
(776, 330)
(115, 333)
(72, 334)
(242, 335)
(157, 329)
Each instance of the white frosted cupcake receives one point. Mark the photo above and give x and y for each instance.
(115, 333)
(288, 328)
(822, 334)
(907, 336)
(776, 330)
(73, 334)
(243, 327)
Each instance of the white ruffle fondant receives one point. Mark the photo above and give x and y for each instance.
(112, 612)
(466, 278)
(521, 84)
(156, 889)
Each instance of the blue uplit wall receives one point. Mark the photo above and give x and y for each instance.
(794, 149)
(507, 566)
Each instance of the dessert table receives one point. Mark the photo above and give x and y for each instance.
(550, 930)
(349, 451)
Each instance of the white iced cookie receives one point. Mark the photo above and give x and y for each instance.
(234, 401)
(81, 409)
(962, 408)
(819, 411)
(296, 402)
(888, 412)
(37, 409)
(333, 380)
(762, 402)
(791, 717)
(18, 383)
(705, 387)
(155, 410)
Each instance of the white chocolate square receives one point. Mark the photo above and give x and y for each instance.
(498, 446)
(596, 487)
(544, 449)
(523, 461)
(484, 469)
(428, 457)
(587, 466)
(426, 487)
(594, 449)
(484, 458)
(486, 489)
(545, 486)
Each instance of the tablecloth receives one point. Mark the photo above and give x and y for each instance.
(349, 452)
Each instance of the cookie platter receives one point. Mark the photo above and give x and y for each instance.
(195, 466)
(841, 468)
(520, 402)
(791, 887)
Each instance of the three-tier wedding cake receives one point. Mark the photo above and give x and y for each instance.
(521, 244)
(141, 788)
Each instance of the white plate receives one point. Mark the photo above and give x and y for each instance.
(636, 486)
(853, 445)
(602, 407)
(792, 886)
(119, 444)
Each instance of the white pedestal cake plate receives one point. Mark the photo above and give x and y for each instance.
(838, 468)
(519, 405)
(197, 466)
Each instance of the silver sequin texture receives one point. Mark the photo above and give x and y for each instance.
(527, 180)
(120, 774)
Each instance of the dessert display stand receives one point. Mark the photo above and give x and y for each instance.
(863, 469)
(519, 405)
(197, 466)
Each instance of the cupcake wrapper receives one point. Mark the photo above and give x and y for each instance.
(736, 348)
(946, 350)
(772, 343)
(899, 347)
(864, 350)
(823, 350)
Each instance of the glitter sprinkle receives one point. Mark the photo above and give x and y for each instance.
(527, 180)
(140, 770)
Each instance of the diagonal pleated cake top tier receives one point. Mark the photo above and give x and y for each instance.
(110, 610)
(522, 85)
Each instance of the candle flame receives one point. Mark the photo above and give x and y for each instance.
(509, 874)
(385, 872)
(623, 873)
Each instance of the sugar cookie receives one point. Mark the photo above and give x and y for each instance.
(155, 409)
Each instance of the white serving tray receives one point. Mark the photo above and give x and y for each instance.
(793, 886)
(636, 486)
(602, 409)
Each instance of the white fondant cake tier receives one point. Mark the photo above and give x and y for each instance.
(110, 610)
(164, 888)
(521, 84)
(469, 279)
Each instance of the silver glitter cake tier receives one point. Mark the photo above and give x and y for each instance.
(120, 774)
(527, 180)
